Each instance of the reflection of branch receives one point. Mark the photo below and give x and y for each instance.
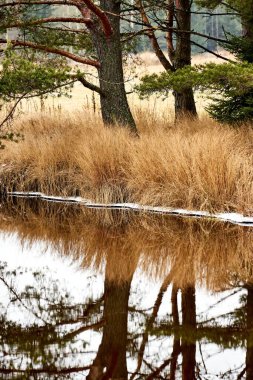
(13, 291)
(241, 374)
(150, 323)
(176, 341)
(85, 314)
(222, 300)
(81, 329)
(158, 370)
(33, 371)
(202, 357)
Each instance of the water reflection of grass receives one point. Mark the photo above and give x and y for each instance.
(197, 165)
(216, 255)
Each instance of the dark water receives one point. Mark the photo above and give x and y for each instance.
(109, 295)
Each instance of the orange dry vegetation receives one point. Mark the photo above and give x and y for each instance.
(198, 164)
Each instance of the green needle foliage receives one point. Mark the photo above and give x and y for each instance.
(25, 75)
(232, 83)
(31, 75)
(216, 77)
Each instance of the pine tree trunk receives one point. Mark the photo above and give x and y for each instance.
(184, 100)
(185, 104)
(114, 103)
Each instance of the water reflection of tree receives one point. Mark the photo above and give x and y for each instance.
(122, 241)
(249, 322)
(40, 343)
(44, 344)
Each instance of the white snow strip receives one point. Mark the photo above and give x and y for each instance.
(226, 217)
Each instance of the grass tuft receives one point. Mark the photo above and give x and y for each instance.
(198, 164)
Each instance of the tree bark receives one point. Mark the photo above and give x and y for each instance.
(184, 100)
(114, 103)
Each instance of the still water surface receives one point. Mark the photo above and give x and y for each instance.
(106, 294)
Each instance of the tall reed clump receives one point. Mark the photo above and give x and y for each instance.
(197, 164)
(68, 156)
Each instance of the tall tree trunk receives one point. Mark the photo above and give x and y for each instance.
(184, 100)
(188, 339)
(114, 103)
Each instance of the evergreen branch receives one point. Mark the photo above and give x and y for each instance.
(64, 28)
(52, 50)
(38, 2)
(46, 20)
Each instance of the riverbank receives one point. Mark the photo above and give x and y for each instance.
(197, 165)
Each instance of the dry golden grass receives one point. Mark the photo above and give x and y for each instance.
(216, 255)
(197, 164)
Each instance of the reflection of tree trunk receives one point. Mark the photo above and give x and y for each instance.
(111, 354)
(249, 354)
(188, 340)
(176, 342)
(150, 323)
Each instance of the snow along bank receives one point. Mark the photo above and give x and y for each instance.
(234, 218)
